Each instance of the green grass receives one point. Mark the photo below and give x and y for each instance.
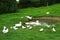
(24, 34)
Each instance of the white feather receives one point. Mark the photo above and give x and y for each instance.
(5, 30)
(47, 12)
(23, 27)
(37, 23)
(30, 28)
(20, 24)
(14, 27)
(29, 17)
(41, 29)
(53, 29)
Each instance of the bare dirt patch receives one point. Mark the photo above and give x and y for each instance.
(49, 19)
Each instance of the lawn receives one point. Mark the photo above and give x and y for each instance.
(10, 19)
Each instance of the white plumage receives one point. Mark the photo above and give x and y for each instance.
(17, 0)
(45, 24)
(20, 24)
(47, 12)
(30, 27)
(27, 23)
(30, 23)
(14, 27)
(41, 29)
(29, 17)
(5, 30)
(37, 22)
(53, 29)
(48, 26)
(23, 27)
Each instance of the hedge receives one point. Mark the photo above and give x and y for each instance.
(8, 6)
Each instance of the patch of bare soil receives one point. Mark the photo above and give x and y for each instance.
(50, 19)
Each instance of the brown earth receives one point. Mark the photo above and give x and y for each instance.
(50, 19)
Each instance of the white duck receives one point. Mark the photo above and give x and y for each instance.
(47, 12)
(41, 29)
(30, 23)
(23, 27)
(29, 17)
(14, 27)
(30, 27)
(5, 30)
(17, 1)
(37, 23)
(48, 26)
(53, 29)
(45, 24)
(20, 24)
(27, 23)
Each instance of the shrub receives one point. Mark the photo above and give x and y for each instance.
(35, 3)
(8, 5)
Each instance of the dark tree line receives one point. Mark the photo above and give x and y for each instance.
(8, 6)
(36, 3)
(11, 5)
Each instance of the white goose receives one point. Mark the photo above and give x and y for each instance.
(14, 27)
(30, 23)
(47, 12)
(53, 29)
(5, 30)
(20, 24)
(45, 24)
(37, 23)
(23, 27)
(41, 29)
(30, 27)
(17, 1)
(29, 17)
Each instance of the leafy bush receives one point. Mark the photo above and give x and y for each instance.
(8, 5)
(35, 3)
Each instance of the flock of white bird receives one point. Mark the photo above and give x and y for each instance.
(29, 25)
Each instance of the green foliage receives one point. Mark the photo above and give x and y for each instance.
(24, 3)
(8, 6)
(36, 3)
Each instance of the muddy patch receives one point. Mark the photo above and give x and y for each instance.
(46, 19)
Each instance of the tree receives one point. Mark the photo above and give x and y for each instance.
(8, 6)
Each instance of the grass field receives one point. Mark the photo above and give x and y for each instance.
(10, 19)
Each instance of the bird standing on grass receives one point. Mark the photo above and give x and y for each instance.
(23, 27)
(37, 23)
(5, 30)
(20, 24)
(30, 27)
(29, 17)
(47, 12)
(47, 25)
(14, 27)
(41, 29)
(53, 29)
